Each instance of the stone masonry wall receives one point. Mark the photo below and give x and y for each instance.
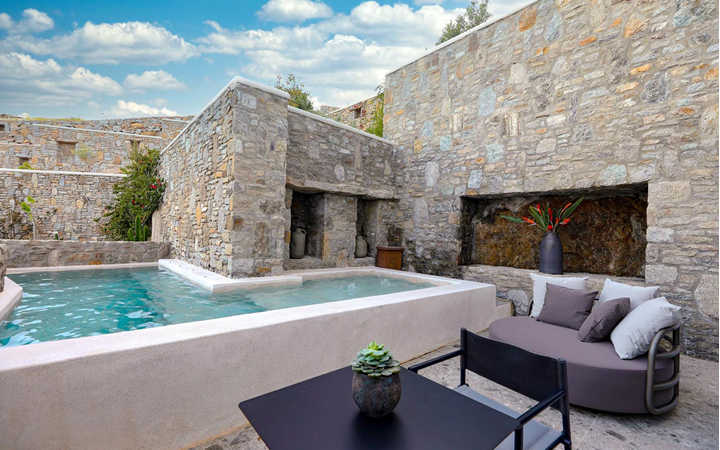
(360, 115)
(165, 127)
(21, 253)
(223, 207)
(569, 95)
(65, 204)
(328, 156)
(52, 147)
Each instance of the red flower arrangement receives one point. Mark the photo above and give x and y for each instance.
(544, 218)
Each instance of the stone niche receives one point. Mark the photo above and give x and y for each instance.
(307, 212)
(606, 234)
(367, 222)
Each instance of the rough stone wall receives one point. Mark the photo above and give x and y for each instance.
(65, 204)
(360, 115)
(329, 157)
(59, 148)
(223, 207)
(3, 266)
(165, 127)
(570, 95)
(40, 253)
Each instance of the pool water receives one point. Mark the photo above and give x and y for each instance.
(63, 305)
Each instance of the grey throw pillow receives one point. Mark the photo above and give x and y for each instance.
(603, 319)
(566, 307)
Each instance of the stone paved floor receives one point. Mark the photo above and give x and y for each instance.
(692, 425)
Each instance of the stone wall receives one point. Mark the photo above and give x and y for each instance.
(66, 205)
(52, 147)
(21, 253)
(224, 204)
(329, 156)
(165, 127)
(3, 266)
(571, 95)
(360, 115)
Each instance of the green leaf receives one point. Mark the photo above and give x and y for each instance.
(568, 212)
(538, 217)
(511, 218)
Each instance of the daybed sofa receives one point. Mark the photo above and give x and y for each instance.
(597, 377)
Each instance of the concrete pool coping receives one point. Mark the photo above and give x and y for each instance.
(9, 298)
(181, 383)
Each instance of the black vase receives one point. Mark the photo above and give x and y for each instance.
(551, 254)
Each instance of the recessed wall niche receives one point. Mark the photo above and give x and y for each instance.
(307, 212)
(606, 234)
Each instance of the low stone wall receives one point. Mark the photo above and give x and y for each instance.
(333, 157)
(22, 253)
(66, 204)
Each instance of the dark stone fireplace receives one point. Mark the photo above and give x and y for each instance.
(606, 234)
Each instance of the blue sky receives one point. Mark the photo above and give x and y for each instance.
(129, 59)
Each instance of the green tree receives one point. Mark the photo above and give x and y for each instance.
(137, 196)
(475, 14)
(299, 97)
(377, 125)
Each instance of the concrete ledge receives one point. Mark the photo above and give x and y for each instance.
(18, 270)
(218, 283)
(9, 298)
(93, 130)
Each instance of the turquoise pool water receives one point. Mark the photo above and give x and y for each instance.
(63, 305)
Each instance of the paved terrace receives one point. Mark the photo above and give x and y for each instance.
(693, 424)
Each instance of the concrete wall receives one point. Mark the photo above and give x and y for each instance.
(332, 157)
(571, 95)
(25, 253)
(223, 206)
(182, 383)
(66, 204)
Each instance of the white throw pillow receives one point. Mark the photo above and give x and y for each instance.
(540, 286)
(633, 335)
(637, 294)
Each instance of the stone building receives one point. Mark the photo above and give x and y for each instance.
(360, 115)
(614, 101)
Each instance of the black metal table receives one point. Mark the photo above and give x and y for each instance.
(320, 414)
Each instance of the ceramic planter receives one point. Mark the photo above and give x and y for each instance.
(376, 396)
(551, 254)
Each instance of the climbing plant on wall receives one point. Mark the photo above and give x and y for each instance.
(137, 196)
(376, 127)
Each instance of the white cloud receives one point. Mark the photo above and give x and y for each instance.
(502, 8)
(109, 43)
(5, 21)
(131, 109)
(341, 59)
(428, 2)
(294, 10)
(33, 21)
(153, 79)
(29, 82)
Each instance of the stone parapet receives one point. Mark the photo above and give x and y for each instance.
(27, 253)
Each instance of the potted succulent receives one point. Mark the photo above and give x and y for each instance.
(376, 381)
(551, 252)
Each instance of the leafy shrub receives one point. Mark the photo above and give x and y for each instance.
(137, 196)
(375, 361)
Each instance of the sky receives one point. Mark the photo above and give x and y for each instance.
(99, 60)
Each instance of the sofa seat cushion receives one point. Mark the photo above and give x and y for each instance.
(597, 377)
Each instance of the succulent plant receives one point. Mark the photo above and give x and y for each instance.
(375, 361)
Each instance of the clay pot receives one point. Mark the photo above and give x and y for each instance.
(297, 244)
(551, 254)
(376, 396)
(361, 247)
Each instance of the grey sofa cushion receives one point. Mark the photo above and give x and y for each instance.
(597, 377)
(566, 307)
(603, 319)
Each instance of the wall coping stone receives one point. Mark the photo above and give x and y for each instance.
(485, 24)
(93, 130)
(231, 84)
(337, 124)
(63, 172)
